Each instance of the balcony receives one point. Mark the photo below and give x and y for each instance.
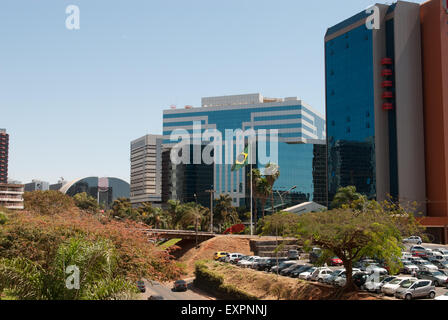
(386, 61)
(388, 106)
(386, 72)
(387, 84)
(388, 95)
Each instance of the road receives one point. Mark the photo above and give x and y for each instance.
(164, 290)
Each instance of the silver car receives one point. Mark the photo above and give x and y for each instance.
(416, 289)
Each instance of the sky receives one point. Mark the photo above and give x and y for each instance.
(72, 100)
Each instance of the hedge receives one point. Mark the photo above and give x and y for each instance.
(212, 282)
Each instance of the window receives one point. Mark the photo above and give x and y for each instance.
(348, 130)
(368, 125)
(348, 119)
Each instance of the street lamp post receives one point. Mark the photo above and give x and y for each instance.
(280, 194)
(212, 192)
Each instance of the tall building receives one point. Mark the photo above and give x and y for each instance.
(37, 185)
(434, 26)
(146, 170)
(301, 147)
(11, 196)
(374, 105)
(4, 149)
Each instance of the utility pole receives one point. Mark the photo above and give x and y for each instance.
(212, 192)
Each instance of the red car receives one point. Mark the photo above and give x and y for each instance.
(335, 261)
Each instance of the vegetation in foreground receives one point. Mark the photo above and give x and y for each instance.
(37, 245)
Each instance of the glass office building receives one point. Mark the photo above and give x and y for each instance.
(374, 107)
(301, 147)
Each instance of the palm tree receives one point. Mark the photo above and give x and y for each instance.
(263, 191)
(272, 173)
(224, 211)
(193, 215)
(175, 212)
(96, 262)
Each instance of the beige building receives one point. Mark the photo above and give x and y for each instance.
(146, 170)
(11, 196)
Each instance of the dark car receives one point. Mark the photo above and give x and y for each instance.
(156, 298)
(360, 278)
(287, 271)
(296, 272)
(282, 266)
(141, 286)
(180, 285)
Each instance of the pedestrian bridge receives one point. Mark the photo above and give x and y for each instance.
(179, 234)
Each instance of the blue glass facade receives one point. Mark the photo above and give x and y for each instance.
(350, 109)
(301, 150)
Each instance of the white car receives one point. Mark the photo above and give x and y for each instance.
(392, 286)
(409, 267)
(307, 274)
(374, 286)
(442, 297)
(424, 265)
(246, 261)
(406, 255)
(234, 257)
(320, 274)
(413, 239)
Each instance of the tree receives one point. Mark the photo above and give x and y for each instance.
(86, 202)
(174, 212)
(263, 191)
(95, 260)
(352, 234)
(284, 224)
(194, 215)
(47, 202)
(122, 209)
(155, 217)
(345, 196)
(224, 213)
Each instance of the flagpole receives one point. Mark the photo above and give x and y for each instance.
(251, 191)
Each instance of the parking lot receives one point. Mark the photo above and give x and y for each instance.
(439, 290)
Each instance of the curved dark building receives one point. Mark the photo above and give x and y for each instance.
(105, 190)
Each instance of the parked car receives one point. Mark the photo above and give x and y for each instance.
(282, 266)
(306, 275)
(443, 251)
(141, 286)
(391, 287)
(296, 270)
(180, 285)
(409, 267)
(363, 264)
(335, 261)
(418, 251)
(442, 297)
(341, 279)
(441, 264)
(156, 297)
(416, 289)
(246, 261)
(424, 265)
(360, 278)
(406, 255)
(333, 276)
(413, 239)
(289, 271)
(234, 257)
(438, 278)
(293, 254)
(319, 272)
(219, 254)
(315, 255)
(261, 264)
(274, 261)
(373, 286)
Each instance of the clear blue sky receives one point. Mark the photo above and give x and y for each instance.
(73, 100)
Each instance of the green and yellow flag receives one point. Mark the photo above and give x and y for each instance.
(241, 160)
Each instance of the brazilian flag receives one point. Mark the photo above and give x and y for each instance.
(241, 160)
